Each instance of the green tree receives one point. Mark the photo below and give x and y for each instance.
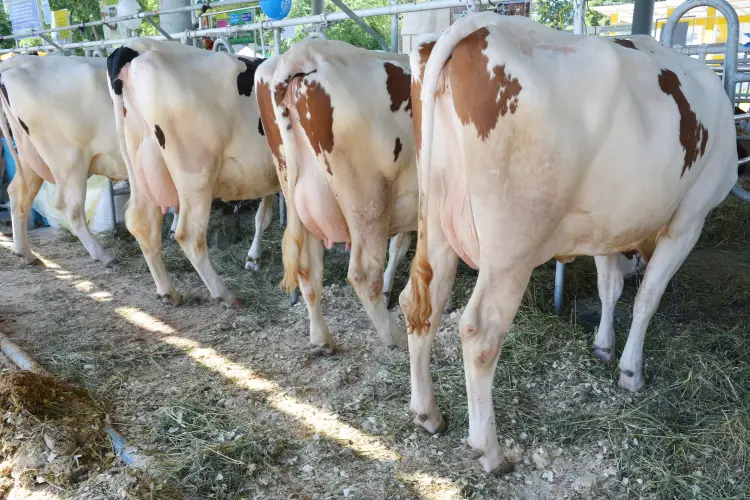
(347, 31)
(5, 29)
(557, 14)
(594, 18)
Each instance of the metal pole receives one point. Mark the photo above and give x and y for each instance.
(177, 22)
(362, 24)
(394, 30)
(579, 17)
(111, 192)
(559, 282)
(643, 17)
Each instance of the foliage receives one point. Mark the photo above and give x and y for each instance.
(346, 31)
(5, 29)
(594, 18)
(557, 14)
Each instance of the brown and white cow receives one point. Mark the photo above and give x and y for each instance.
(535, 143)
(338, 120)
(60, 115)
(190, 131)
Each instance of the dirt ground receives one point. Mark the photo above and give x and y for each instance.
(219, 403)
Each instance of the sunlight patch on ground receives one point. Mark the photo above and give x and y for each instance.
(432, 487)
(318, 420)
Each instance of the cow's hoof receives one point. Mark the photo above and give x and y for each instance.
(31, 260)
(171, 235)
(252, 265)
(323, 350)
(433, 424)
(238, 302)
(496, 467)
(173, 297)
(602, 353)
(397, 339)
(631, 381)
(111, 262)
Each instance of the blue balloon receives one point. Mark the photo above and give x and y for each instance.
(276, 9)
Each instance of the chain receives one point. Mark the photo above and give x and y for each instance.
(236, 207)
(637, 271)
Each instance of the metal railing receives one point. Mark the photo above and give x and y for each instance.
(729, 75)
(322, 19)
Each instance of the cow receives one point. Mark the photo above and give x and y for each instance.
(338, 121)
(534, 144)
(60, 116)
(189, 130)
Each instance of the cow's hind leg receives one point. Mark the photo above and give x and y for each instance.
(311, 284)
(483, 326)
(195, 209)
(610, 282)
(71, 196)
(144, 220)
(366, 276)
(443, 261)
(670, 253)
(22, 191)
(262, 220)
(396, 250)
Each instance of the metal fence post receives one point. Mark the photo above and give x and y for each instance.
(394, 30)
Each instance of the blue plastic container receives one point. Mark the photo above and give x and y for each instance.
(36, 218)
(10, 164)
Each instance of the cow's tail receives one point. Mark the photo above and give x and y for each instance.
(420, 310)
(4, 126)
(115, 63)
(289, 70)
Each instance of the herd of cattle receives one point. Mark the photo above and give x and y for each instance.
(502, 142)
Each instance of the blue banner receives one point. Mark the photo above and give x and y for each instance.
(24, 15)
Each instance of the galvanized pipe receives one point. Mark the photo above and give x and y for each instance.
(394, 30)
(733, 36)
(729, 76)
(643, 17)
(579, 17)
(559, 285)
(362, 24)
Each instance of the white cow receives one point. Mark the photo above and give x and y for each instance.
(338, 120)
(538, 143)
(190, 131)
(60, 116)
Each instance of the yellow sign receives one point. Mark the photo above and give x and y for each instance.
(61, 19)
